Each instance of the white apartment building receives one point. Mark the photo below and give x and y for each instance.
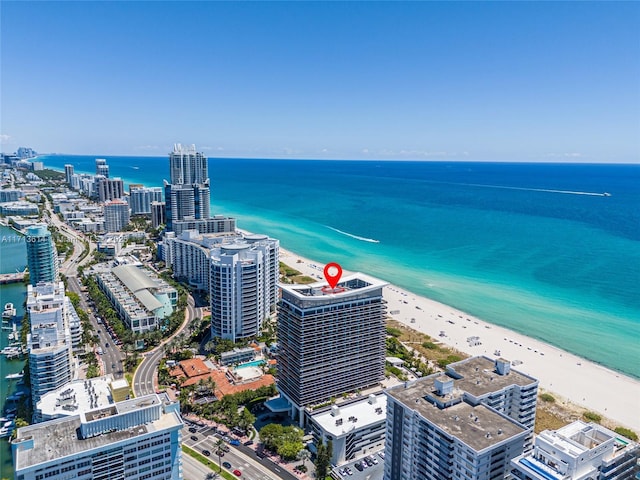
(243, 285)
(468, 424)
(331, 341)
(50, 346)
(356, 428)
(240, 272)
(578, 451)
(140, 199)
(116, 215)
(137, 439)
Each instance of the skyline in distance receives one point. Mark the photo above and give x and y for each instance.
(486, 81)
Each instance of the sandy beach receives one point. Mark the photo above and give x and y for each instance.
(568, 376)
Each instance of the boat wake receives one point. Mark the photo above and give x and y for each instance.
(547, 190)
(363, 239)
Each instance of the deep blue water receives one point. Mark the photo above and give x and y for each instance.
(533, 247)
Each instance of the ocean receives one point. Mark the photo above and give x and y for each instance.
(548, 250)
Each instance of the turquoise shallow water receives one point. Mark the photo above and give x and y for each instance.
(535, 248)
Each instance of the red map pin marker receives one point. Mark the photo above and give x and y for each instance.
(332, 272)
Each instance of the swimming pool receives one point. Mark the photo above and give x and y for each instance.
(255, 363)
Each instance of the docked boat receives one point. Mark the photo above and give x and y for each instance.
(9, 311)
(14, 376)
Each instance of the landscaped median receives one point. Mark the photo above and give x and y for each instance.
(208, 463)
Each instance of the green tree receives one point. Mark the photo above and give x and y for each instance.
(323, 459)
(219, 445)
(289, 450)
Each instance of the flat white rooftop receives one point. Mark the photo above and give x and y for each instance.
(341, 420)
(77, 396)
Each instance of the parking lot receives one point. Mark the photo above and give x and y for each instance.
(372, 470)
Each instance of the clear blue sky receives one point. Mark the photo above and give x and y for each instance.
(519, 81)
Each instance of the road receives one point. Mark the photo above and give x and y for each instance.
(241, 458)
(112, 357)
(144, 376)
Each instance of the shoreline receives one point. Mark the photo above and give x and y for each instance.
(581, 382)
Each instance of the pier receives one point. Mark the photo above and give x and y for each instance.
(11, 277)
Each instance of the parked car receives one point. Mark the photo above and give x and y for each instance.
(206, 453)
(193, 429)
(194, 438)
(226, 464)
(234, 442)
(359, 466)
(248, 443)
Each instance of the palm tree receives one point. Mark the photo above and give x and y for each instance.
(219, 445)
(304, 455)
(211, 476)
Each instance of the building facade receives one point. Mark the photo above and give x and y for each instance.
(467, 424)
(102, 168)
(42, 256)
(116, 215)
(331, 341)
(50, 346)
(137, 439)
(157, 214)
(68, 173)
(187, 166)
(242, 286)
(187, 196)
(578, 451)
(109, 188)
(356, 428)
(140, 199)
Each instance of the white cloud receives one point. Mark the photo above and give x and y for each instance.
(564, 155)
(147, 148)
(4, 138)
(291, 151)
(414, 154)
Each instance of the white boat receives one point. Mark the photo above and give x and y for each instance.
(606, 194)
(14, 376)
(9, 311)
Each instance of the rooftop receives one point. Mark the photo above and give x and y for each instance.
(478, 427)
(77, 396)
(478, 376)
(59, 439)
(351, 287)
(340, 420)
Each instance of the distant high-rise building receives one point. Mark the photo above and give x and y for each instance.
(49, 343)
(132, 439)
(187, 196)
(187, 166)
(578, 451)
(157, 214)
(140, 199)
(102, 168)
(116, 215)
(466, 424)
(330, 341)
(68, 173)
(42, 257)
(109, 188)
